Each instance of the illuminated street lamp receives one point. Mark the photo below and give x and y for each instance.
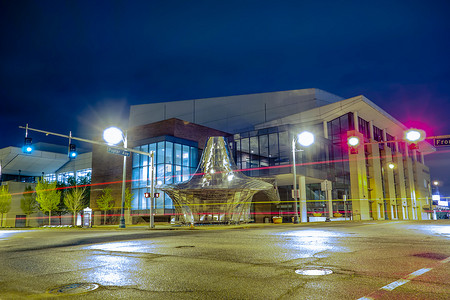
(353, 143)
(114, 136)
(413, 136)
(305, 139)
(391, 165)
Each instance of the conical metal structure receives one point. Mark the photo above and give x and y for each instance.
(217, 192)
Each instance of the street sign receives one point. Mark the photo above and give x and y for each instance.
(441, 142)
(119, 151)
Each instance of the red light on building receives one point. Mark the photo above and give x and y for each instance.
(353, 143)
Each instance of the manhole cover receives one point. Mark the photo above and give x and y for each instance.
(74, 288)
(184, 247)
(313, 272)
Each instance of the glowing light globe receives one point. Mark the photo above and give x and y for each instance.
(113, 135)
(306, 138)
(413, 135)
(353, 141)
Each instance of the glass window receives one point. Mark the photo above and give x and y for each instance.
(168, 173)
(169, 153)
(135, 178)
(245, 146)
(178, 174)
(273, 149)
(193, 157)
(186, 173)
(178, 154)
(174, 162)
(144, 176)
(135, 158)
(152, 147)
(160, 153)
(185, 155)
(254, 152)
(84, 173)
(284, 146)
(50, 177)
(160, 174)
(264, 146)
(167, 200)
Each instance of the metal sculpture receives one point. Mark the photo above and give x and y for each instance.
(217, 192)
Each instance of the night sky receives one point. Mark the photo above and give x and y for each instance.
(79, 65)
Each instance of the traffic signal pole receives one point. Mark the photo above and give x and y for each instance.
(149, 154)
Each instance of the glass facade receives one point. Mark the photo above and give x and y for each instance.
(64, 177)
(339, 168)
(256, 151)
(175, 160)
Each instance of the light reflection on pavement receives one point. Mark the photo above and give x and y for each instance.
(7, 233)
(440, 230)
(310, 242)
(134, 246)
(118, 270)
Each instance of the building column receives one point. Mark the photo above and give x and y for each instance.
(410, 188)
(400, 184)
(358, 181)
(375, 180)
(302, 199)
(389, 182)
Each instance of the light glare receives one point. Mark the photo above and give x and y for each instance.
(112, 135)
(413, 135)
(353, 141)
(306, 138)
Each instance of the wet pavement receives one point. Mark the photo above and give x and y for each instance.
(342, 260)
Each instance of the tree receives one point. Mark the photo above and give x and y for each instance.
(85, 181)
(73, 199)
(28, 203)
(5, 202)
(48, 197)
(128, 198)
(105, 202)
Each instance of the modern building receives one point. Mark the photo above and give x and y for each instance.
(333, 180)
(19, 170)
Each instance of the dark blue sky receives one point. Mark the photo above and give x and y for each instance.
(78, 65)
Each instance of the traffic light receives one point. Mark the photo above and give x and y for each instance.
(413, 136)
(147, 195)
(353, 143)
(72, 151)
(27, 146)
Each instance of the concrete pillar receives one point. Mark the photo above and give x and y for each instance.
(302, 195)
(375, 181)
(410, 188)
(355, 121)
(330, 203)
(358, 181)
(389, 182)
(325, 129)
(400, 184)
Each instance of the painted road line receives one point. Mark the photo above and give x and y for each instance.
(391, 286)
(394, 284)
(417, 273)
(445, 260)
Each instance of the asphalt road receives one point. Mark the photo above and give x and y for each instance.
(375, 260)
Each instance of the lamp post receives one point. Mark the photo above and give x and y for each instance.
(113, 136)
(305, 139)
